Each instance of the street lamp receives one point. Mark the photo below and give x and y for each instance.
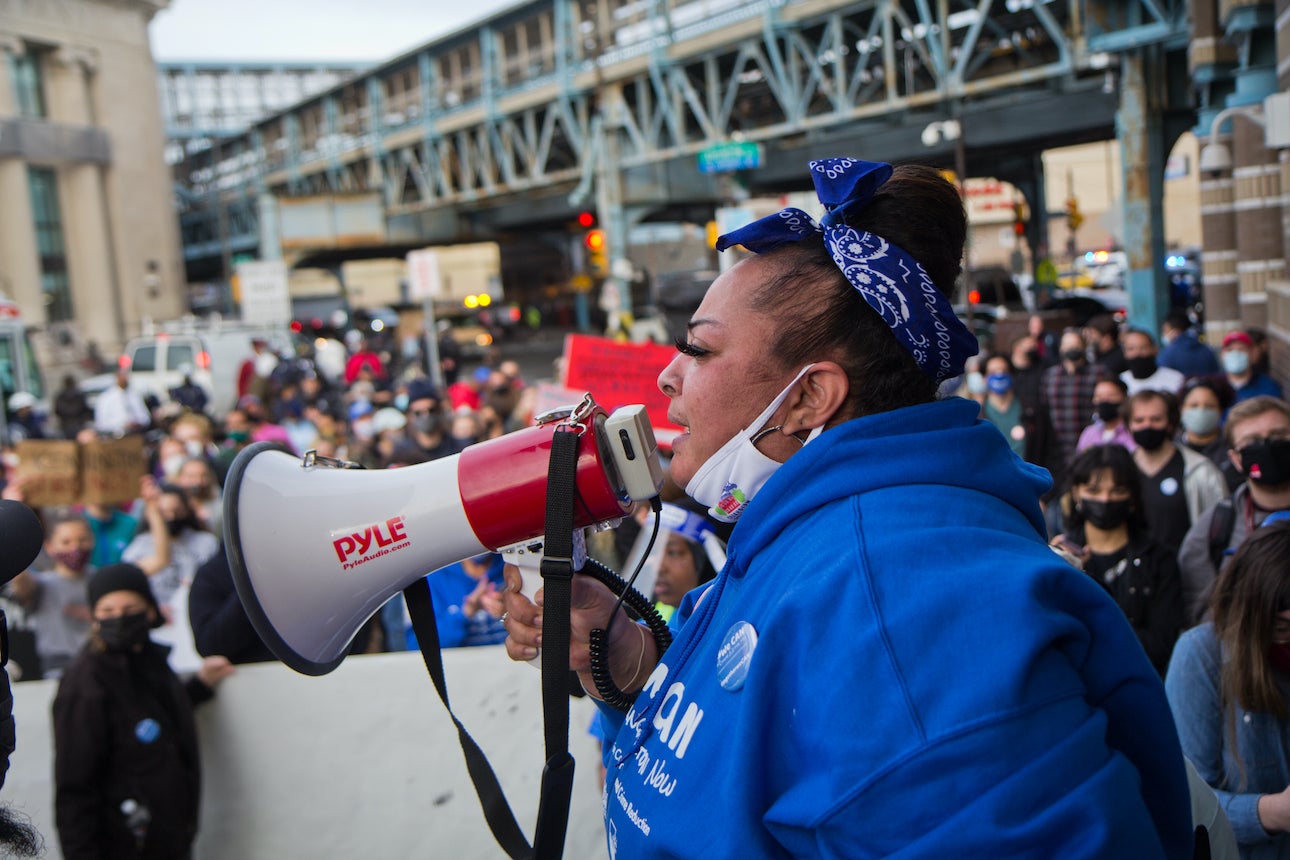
(1215, 157)
(935, 132)
(1273, 114)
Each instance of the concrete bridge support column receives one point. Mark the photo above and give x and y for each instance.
(1139, 126)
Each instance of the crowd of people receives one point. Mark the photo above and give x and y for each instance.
(1167, 463)
(890, 567)
(1172, 433)
(124, 596)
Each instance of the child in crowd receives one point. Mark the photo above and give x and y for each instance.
(54, 597)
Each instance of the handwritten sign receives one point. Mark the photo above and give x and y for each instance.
(111, 469)
(49, 471)
(620, 374)
(63, 472)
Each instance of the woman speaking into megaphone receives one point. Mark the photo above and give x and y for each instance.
(892, 659)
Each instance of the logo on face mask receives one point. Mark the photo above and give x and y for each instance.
(727, 481)
(1267, 461)
(730, 505)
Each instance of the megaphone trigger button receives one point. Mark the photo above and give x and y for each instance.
(627, 444)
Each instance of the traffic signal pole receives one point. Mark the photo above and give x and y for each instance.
(616, 294)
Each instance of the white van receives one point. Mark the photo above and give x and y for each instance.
(19, 369)
(212, 352)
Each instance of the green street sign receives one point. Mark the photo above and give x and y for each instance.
(727, 157)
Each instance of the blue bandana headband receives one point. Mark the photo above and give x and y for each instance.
(892, 283)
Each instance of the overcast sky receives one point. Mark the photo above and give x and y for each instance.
(370, 30)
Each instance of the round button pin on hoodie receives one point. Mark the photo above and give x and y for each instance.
(735, 657)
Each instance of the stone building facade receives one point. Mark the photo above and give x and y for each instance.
(1240, 55)
(89, 245)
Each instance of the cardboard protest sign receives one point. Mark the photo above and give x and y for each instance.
(111, 469)
(49, 471)
(620, 374)
(63, 472)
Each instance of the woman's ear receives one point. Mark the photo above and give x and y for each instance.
(819, 397)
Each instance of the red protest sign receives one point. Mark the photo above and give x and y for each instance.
(620, 374)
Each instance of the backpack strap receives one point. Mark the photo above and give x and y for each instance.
(1221, 523)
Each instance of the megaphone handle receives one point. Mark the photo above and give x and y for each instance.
(528, 558)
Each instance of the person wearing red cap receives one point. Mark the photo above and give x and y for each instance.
(1238, 364)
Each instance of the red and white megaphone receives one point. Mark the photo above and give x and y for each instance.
(315, 550)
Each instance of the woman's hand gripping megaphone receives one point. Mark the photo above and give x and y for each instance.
(632, 650)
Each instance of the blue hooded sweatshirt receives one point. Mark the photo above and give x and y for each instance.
(894, 663)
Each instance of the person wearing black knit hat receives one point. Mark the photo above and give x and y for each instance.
(127, 777)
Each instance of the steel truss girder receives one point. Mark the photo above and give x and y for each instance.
(787, 66)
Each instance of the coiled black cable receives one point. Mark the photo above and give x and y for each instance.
(599, 640)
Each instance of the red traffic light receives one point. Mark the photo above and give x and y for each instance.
(974, 297)
(586, 219)
(594, 240)
(1019, 228)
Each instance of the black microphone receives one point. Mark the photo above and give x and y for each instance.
(21, 535)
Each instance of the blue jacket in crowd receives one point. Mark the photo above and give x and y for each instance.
(1187, 355)
(1193, 685)
(449, 588)
(893, 662)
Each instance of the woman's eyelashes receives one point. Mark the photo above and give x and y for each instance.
(684, 347)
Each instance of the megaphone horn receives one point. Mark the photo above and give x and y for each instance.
(315, 551)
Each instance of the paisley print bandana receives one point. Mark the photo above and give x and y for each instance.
(891, 282)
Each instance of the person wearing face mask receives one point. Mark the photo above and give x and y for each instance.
(169, 551)
(1102, 334)
(1228, 686)
(1027, 371)
(888, 572)
(54, 598)
(1258, 440)
(428, 424)
(197, 479)
(1182, 349)
(170, 455)
(1108, 423)
(974, 387)
(1238, 363)
(1068, 397)
(1022, 424)
(237, 435)
(1204, 403)
(1143, 372)
(1178, 485)
(1105, 529)
(127, 774)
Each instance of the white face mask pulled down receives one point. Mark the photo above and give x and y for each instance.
(727, 481)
